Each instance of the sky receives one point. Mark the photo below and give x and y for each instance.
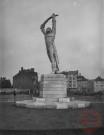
(79, 36)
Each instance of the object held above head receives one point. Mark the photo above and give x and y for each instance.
(53, 15)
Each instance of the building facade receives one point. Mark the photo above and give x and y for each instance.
(90, 85)
(82, 83)
(25, 79)
(71, 77)
(98, 84)
(5, 83)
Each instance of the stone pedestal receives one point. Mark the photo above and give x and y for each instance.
(53, 86)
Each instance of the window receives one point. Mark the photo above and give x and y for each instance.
(74, 85)
(70, 85)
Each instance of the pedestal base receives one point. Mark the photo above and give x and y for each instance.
(53, 86)
(62, 103)
(53, 94)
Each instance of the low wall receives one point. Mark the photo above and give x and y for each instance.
(18, 97)
(9, 90)
(96, 98)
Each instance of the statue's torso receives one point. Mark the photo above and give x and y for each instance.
(49, 38)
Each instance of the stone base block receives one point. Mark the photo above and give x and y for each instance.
(62, 106)
(70, 105)
(74, 105)
(64, 100)
(39, 104)
(87, 104)
(51, 99)
(39, 99)
(81, 105)
(51, 105)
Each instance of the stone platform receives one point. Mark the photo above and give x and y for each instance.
(61, 103)
(53, 94)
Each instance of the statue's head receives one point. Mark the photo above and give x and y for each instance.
(48, 30)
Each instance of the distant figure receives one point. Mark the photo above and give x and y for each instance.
(14, 93)
(31, 93)
(50, 46)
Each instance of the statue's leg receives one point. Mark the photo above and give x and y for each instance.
(50, 52)
(56, 63)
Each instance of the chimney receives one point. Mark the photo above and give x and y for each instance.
(79, 74)
(21, 68)
(32, 69)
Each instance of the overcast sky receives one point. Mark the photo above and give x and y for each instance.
(79, 36)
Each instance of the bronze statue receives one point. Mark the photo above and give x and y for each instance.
(49, 40)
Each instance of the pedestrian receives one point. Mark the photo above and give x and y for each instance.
(14, 93)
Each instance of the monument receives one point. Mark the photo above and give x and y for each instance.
(53, 91)
(53, 85)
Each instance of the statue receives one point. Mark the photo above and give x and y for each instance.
(50, 45)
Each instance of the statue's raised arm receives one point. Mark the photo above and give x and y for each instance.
(54, 24)
(42, 26)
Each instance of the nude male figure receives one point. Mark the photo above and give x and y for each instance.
(49, 40)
